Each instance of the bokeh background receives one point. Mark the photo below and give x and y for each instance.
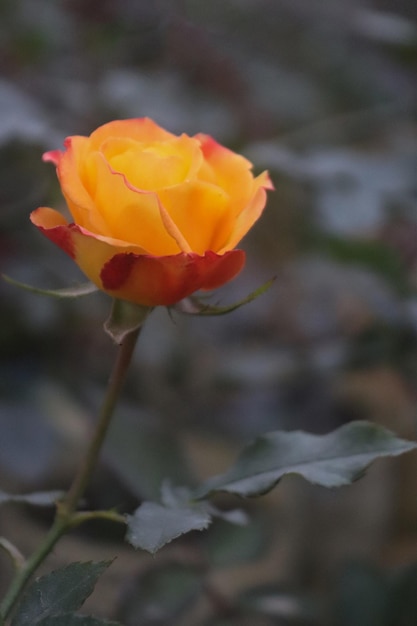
(323, 94)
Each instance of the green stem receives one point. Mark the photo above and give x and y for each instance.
(64, 518)
(85, 471)
(19, 582)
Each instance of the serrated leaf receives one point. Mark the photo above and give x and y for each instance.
(72, 619)
(331, 460)
(38, 498)
(153, 525)
(195, 306)
(66, 292)
(63, 590)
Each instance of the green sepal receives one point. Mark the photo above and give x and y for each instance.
(195, 306)
(125, 318)
(67, 292)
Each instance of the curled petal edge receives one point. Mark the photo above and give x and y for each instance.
(133, 275)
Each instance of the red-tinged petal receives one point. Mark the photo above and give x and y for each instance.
(153, 281)
(228, 170)
(223, 268)
(53, 156)
(89, 251)
(54, 226)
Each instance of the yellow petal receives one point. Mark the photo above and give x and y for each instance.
(248, 216)
(140, 129)
(131, 215)
(200, 211)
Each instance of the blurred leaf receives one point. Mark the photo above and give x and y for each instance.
(61, 591)
(72, 619)
(66, 292)
(39, 498)
(153, 525)
(278, 603)
(403, 598)
(331, 460)
(228, 544)
(361, 597)
(373, 255)
(161, 594)
(143, 453)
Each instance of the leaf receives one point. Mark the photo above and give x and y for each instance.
(124, 319)
(72, 619)
(362, 597)
(39, 498)
(163, 593)
(61, 591)
(142, 451)
(67, 292)
(331, 460)
(153, 525)
(195, 306)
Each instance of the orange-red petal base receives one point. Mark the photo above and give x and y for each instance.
(151, 281)
(140, 278)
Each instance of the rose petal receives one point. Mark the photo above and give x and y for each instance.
(75, 182)
(127, 273)
(132, 215)
(153, 281)
(228, 170)
(246, 219)
(153, 166)
(141, 129)
(200, 212)
(88, 250)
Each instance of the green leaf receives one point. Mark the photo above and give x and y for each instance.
(67, 292)
(195, 306)
(124, 319)
(61, 591)
(39, 498)
(331, 460)
(72, 619)
(153, 525)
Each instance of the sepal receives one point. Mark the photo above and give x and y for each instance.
(125, 318)
(197, 306)
(66, 292)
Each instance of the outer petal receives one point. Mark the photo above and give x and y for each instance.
(88, 250)
(250, 213)
(70, 170)
(126, 272)
(152, 281)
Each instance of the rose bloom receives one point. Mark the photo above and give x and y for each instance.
(155, 217)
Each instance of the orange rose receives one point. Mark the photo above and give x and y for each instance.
(156, 216)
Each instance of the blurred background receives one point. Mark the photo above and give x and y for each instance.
(323, 94)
